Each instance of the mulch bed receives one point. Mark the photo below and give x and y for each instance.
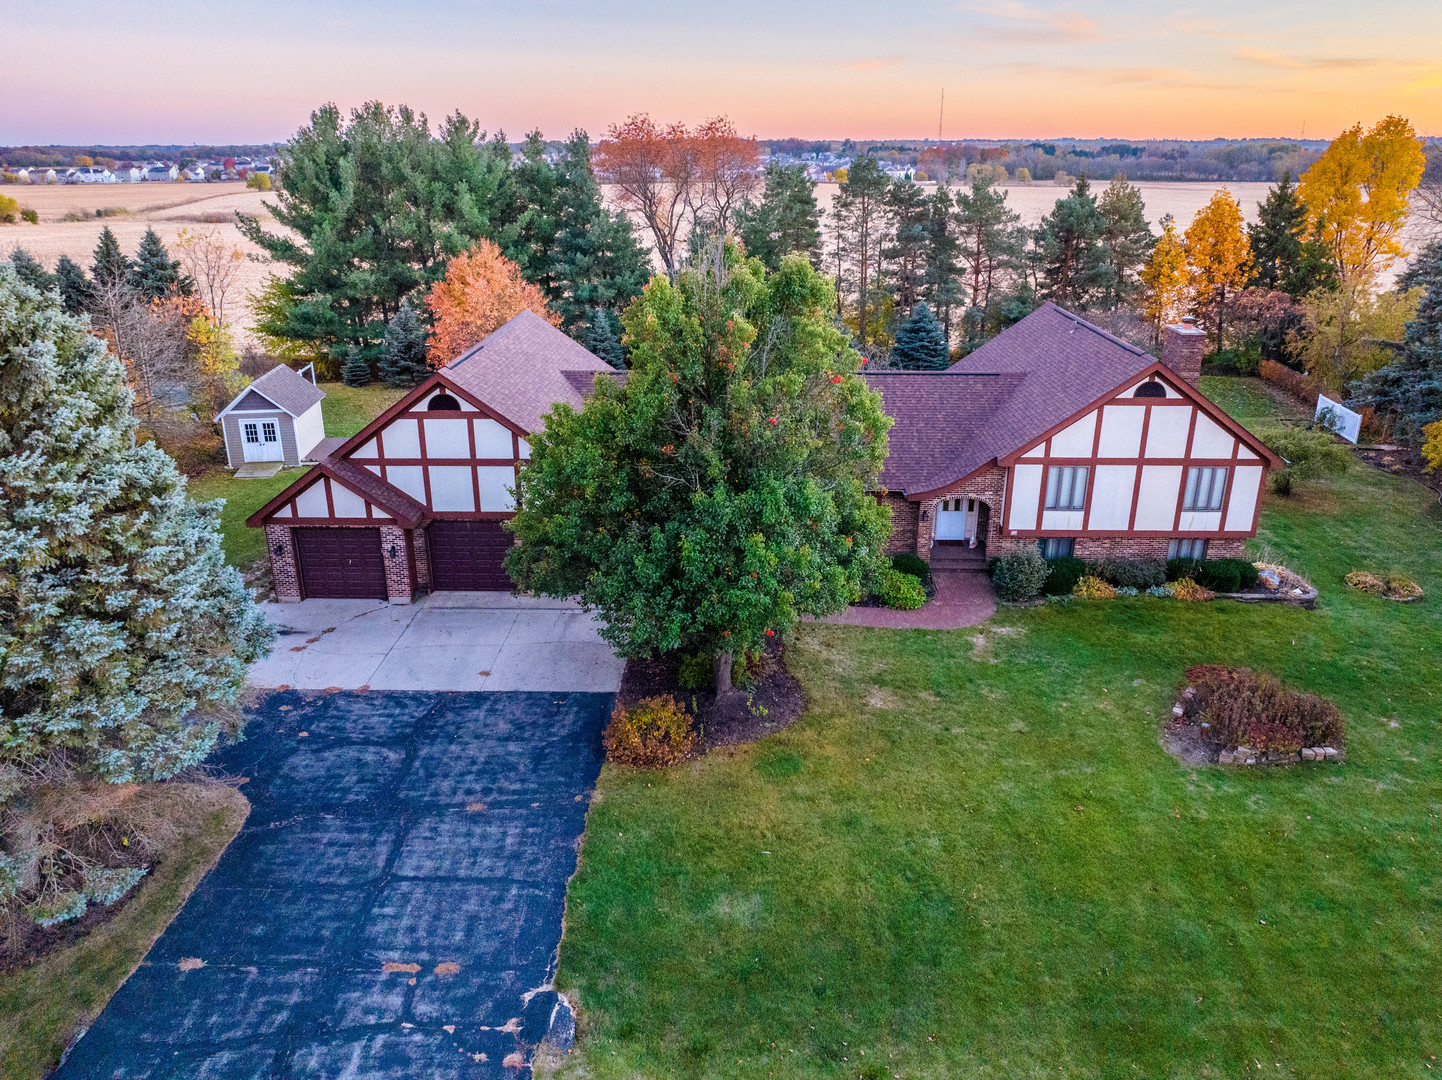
(772, 699)
(1401, 461)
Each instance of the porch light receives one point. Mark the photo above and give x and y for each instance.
(279, 548)
(392, 551)
(926, 515)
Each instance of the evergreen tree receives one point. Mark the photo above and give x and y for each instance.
(858, 210)
(1285, 252)
(31, 271)
(942, 284)
(1410, 389)
(154, 273)
(785, 221)
(1074, 270)
(356, 370)
(110, 264)
(598, 263)
(1127, 241)
(529, 204)
(403, 353)
(989, 241)
(599, 335)
(74, 286)
(920, 342)
(908, 225)
(123, 633)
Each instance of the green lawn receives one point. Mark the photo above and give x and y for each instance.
(972, 857)
(1250, 400)
(346, 410)
(45, 1004)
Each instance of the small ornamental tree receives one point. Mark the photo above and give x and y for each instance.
(403, 354)
(722, 491)
(482, 290)
(920, 342)
(124, 637)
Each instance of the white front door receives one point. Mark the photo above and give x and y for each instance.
(956, 519)
(261, 439)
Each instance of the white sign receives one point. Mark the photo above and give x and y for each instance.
(1339, 418)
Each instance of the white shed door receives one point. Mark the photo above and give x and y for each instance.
(262, 440)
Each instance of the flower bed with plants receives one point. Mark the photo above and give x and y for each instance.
(1391, 586)
(1019, 576)
(1245, 717)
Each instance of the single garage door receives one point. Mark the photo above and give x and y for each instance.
(344, 563)
(466, 555)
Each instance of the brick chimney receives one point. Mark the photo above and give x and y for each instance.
(1182, 347)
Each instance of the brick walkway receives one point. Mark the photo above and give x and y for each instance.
(962, 599)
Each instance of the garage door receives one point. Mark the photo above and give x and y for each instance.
(343, 563)
(467, 555)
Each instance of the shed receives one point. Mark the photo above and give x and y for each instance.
(275, 418)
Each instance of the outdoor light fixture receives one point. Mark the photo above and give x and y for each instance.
(393, 551)
(926, 515)
(278, 548)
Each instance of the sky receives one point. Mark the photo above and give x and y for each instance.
(77, 71)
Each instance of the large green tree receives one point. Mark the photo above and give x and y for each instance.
(123, 634)
(1286, 255)
(1070, 252)
(374, 207)
(1127, 241)
(908, 230)
(989, 241)
(75, 288)
(109, 266)
(859, 214)
(154, 273)
(785, 220)
(722, 491)
(942, 286)
(1409, 390)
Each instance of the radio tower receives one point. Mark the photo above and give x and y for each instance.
(941, 115)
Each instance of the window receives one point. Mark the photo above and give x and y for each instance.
(1066, 487)
(443, 403)
(1193, 548)
(1057, 547)
(1205, 485)
(252, 433)
(1151, 389)
(268, 430)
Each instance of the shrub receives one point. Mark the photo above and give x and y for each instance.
(1177, 569)
(1062, 574)
(1432, 445)
(900, 591)
(907, 563)
(1132, 573)
(9, 209)
(1310, 454)
(1226, 575)
(1093, 588)
(1018, 575)
(258, 181)
(698, 672)
(1248, 709)
(1187, 589)
(1294, 382)
(31, 216)
(653, 733)
(1395, 586)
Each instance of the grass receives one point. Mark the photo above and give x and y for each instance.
(972, 858)
(46, 1004)
(346, 409)
(1251, 399)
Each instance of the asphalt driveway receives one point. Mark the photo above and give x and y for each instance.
(392, 907)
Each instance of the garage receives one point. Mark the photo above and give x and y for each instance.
(466, 555)
(341, 563)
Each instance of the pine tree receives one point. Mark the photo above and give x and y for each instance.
(403, 354)
(908, 221)
(942, 284)
(31, 271)
(110, 266)
(154, 273)
(125, 635)
(990, 243)
(1286, 255)
(74, 286)
(858, 212)
(920, 342)
(356, 369)
(1073, 267)
(785, 221)
(1126, 239)
(599, 336)
(1410, 389)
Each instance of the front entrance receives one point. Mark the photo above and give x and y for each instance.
(957, 519)
(466, 555)
(261, 439)
(341, 563)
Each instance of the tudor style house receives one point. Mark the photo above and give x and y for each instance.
(1054, 433)
(415, 500)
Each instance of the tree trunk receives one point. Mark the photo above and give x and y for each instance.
(723, 674)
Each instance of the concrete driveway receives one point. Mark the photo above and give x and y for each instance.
(392, 908)
(447, 641)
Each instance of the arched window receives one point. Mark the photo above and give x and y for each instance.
(1151, 389)
(443, 403)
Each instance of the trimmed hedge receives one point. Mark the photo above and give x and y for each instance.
(1062, 574)
(1131, 573)
(900, 591)
(1018, 575)
(915, 565)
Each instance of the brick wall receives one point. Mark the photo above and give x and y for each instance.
(399, 586)
(989, 487)
(904, 514)
(284, 571)
(423, 559)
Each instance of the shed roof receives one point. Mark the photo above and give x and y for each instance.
(291, 393)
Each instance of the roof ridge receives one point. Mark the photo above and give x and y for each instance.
(1094, 328)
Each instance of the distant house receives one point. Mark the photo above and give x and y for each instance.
(161, 171)
(275, 418)
(89, 174)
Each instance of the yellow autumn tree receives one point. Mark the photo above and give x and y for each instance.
(1219, 260)
(481, 291)
(1357, 193)
(1166, 280)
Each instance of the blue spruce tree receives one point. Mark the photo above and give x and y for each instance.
(403, 355)
(1410, 389)
(920, 342)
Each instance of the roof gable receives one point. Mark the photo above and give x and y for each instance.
(282, 388)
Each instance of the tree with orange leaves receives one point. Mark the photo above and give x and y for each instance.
(482, 290)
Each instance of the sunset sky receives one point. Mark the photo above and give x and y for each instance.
(163, 71)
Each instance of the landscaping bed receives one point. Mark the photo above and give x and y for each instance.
(1238, 717)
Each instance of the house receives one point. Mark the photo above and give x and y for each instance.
(415, 500)
(1057, 434)
(275, 418)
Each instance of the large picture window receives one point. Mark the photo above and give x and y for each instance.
(1066, 487)
(1205, 486)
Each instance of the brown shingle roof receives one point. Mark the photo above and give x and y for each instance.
(406, 510)
(524, 368)
(291, 392)
(1045, 368)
